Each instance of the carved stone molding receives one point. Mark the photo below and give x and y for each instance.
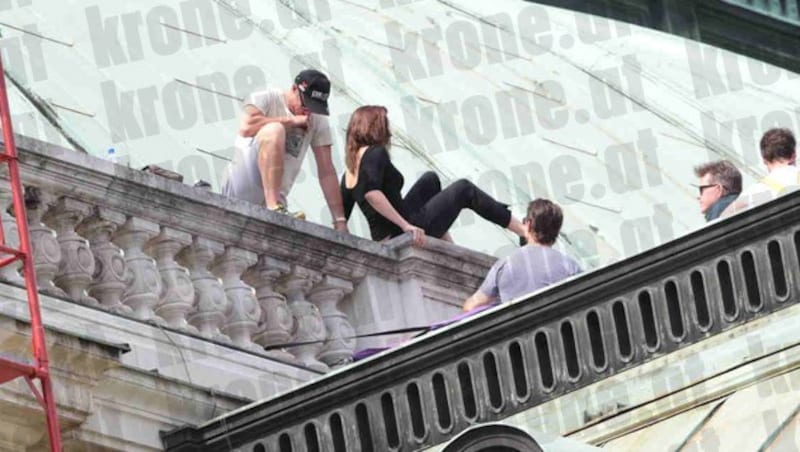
(243, 313)
(143, 282)
(277, 322)
(210, 302)
(77, 265)
(177, 292)
(339, 344)
(108, 283)
(310, 327)
(46, 250)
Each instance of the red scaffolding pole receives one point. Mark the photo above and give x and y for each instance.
(39, 369)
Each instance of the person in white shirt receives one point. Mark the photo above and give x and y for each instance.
(778, 149)
(275, 131)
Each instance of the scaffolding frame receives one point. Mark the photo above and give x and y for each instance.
(39, 369)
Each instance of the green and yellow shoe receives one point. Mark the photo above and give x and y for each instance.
(281, 209)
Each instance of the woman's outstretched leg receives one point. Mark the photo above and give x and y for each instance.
(441, 211)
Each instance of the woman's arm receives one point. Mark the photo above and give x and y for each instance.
(347, 201)
(381, 204)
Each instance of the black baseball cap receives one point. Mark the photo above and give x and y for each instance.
(314, 88)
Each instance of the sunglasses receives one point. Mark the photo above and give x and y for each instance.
(702, 188)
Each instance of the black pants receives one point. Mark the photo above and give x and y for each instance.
(434, 210)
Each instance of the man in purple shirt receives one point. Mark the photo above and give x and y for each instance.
(532, 267)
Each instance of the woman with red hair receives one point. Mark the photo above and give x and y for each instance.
(372, 181)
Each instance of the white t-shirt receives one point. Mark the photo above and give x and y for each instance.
(243, 179)
(527, 270)
(779, 181)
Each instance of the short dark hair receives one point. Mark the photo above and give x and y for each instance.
(544, 220)
(777, 144)
(722, 172)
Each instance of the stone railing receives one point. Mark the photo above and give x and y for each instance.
(140, 245)
(521, 355)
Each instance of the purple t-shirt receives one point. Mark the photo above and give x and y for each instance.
(527, 270)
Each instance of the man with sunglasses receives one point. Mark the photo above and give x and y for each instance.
(720, 184)
(275, 131)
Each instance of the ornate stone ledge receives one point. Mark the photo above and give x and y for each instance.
(142, 246)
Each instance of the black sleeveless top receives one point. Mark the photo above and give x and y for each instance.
(375, 172)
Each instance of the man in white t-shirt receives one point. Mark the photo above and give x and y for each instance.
(276, 129)
(778, 149)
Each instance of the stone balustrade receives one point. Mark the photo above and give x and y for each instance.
(192, 261)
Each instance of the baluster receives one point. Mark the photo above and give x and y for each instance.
(143, 282)
(46, 250)
(277, 322)
(10, 272)
(77, 262)
(241, 318)
(309, 322)
(108, 282)
(338, 349)
(177, 293)
(210, 302)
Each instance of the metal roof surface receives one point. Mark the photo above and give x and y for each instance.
(526, 100)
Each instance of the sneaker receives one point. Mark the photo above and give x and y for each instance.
(280, 208)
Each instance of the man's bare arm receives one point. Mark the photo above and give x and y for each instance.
(330, 185)
(252, 120)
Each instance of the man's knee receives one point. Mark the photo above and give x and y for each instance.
(271, 132)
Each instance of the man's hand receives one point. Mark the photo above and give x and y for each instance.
(477, 299)
(251, 121)
(340, 226)
(298, 122)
